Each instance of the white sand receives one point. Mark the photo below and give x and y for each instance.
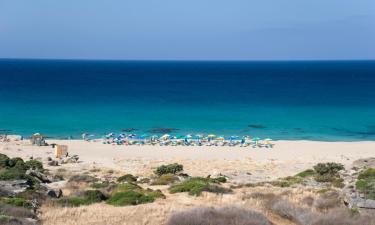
(244, 164)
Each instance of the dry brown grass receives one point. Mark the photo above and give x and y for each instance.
(219, 216)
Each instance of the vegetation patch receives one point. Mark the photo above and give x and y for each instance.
(306, 173)
(366, 183)
(127, 178)
(129, 198)
(169, 169)
(165, 179)
(195, 186)
(89, 197)
(329, 173)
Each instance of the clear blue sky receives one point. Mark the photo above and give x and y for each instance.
(188, 29)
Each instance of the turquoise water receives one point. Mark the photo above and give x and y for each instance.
(282, 100)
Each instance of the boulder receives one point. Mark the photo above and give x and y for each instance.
(53, 163)
(366, 204)
(38, 175)
(54, 193)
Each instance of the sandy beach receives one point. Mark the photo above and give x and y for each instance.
(242, 164)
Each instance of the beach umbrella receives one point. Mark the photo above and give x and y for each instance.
(37, 134)
(211, 135)
(188, 136)
(165, 136)
(221, 138)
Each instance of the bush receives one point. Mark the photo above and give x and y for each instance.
(12, 162)
(129, 198)
(328, 168)
(17, 174)
(126, 187)
(127, 178)
(94, 196)
(34, 164)
(4, 161)
(219, 180)
(306, 173)
(221, 216)
(196, 185)
(165, 179)
(366, 183)
(171, 168)
(89, 197)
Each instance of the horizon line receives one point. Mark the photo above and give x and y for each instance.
(192, 60)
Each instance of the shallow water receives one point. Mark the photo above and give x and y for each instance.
(282, 100)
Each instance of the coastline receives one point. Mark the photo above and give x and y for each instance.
(242, 164)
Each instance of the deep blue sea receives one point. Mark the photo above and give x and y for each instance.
(332, 100)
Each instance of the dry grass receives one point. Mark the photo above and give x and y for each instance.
(218, 216)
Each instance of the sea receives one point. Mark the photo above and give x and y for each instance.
(281, 100)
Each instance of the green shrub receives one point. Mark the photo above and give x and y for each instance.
(171, 168)
(131, 187)
(94, 196)
(366, 183)
(328, 168)
(219, 180)
(127, 178)
(306, 173)
(89, 197)
(18, 202)
(129, 198)
(194, 185)
(165, 179)
(153, 193)
(12, 174)
(4, 161)
(126, 187)
(12, 162)
(34, 164)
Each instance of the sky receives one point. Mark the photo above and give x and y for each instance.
(188, 29)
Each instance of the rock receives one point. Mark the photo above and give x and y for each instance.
(184, 175)
(54, 193)
(49, 159)
(10, 188)
(38, 175)
(53, 163)
(366, 204)
(70, 159)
